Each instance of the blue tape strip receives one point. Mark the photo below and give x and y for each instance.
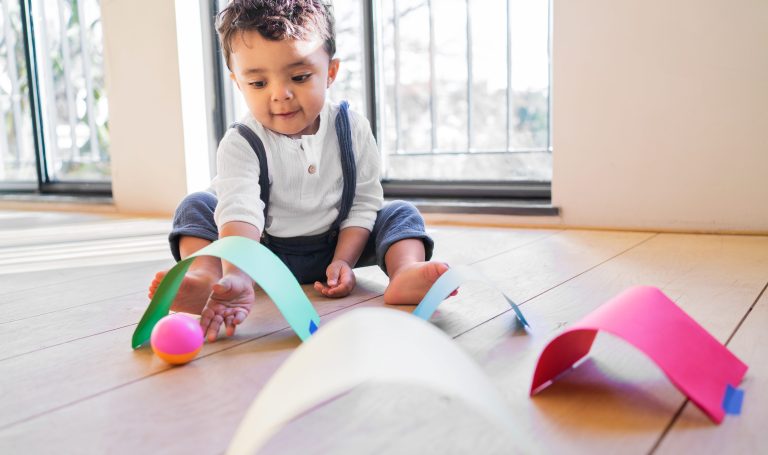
(449, 282)
(516, 309)
(732, 400)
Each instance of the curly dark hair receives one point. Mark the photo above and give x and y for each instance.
(277, 20)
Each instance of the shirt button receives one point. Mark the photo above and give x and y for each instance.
(312, 169)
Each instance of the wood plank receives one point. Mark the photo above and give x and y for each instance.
(23, 282)
(618, 401)
(86, 230)
(117, 383)
(49, 248)
(745, 433)
(82, 286)
(16, 260)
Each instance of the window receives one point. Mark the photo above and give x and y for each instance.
(464, 90)
(457, 92)
(54, 131)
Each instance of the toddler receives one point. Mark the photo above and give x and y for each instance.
(298, 173)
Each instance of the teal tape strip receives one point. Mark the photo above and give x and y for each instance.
(260, 264)
(732, 400)
(450, 281)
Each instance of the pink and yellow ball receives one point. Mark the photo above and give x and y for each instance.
(177, 338)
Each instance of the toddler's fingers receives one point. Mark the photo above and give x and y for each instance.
(205, 318)
(333, 273)
(213, 328)
(340, 291)
(240, 317)
(229, 323)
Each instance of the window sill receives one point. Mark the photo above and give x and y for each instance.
(487, 206)
(56, 202)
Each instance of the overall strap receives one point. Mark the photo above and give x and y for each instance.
(348, 167)
(258, 147)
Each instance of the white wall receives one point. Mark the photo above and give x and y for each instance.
(660, 114)
(150, 171)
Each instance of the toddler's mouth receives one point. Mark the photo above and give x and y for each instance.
(285, 115)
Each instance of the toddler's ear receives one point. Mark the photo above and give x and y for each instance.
(333, 69)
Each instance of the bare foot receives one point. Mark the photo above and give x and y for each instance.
(409, 285)
(193, 292)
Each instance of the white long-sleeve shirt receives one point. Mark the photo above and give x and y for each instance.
(305, 178)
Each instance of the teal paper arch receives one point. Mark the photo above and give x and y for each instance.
(255, 260)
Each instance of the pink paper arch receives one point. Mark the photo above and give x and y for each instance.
(696, 363)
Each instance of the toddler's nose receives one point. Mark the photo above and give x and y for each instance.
(281, 92)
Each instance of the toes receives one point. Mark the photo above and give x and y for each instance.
(156, 283)
(434, 270)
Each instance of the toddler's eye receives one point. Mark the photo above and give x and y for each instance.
(301, 77)
(257, 84)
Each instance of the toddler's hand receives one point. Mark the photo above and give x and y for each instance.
(341, 280)
(229, 303)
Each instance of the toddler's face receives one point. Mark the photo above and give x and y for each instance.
(283, 82)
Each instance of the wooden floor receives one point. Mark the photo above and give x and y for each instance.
(72, 288)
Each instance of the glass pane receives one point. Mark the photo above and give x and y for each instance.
(17, 150)
(530, 74)
(68, 41)
(489, 76)
(407, 75)
(450, 25)
(465, 97)
(349, 84)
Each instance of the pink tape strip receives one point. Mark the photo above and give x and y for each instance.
(696, 363)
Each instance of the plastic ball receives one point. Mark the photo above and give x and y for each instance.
(177, 338)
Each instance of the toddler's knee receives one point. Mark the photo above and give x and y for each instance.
(200, 201)
(401, 209)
